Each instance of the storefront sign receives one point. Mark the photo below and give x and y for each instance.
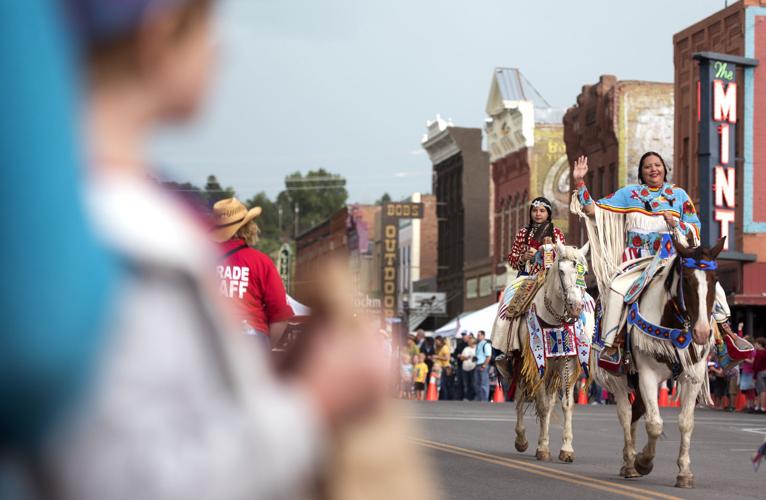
(391, 214)
(717, 115)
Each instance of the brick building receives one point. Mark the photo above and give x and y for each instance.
(461, 184)
(528, 159)
(418, 256)
(418, 244)
(739, 31)
(615, 122)
(349, 233)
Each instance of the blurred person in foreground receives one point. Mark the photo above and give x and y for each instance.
(183, 407)
(248, 277)
(56, 276)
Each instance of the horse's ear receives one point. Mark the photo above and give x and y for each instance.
(682, 250)
(560, 249)
(585, 249)
(717, 248)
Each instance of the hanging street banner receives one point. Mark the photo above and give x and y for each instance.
(284, 262)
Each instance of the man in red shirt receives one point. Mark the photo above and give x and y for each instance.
(247, 276)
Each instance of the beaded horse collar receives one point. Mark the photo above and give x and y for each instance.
(678, 336)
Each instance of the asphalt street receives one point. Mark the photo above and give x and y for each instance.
(471, 449)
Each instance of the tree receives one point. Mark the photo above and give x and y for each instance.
(271, 235)
(317, 195)
(386, 198)
(214, 192)
(189, 193)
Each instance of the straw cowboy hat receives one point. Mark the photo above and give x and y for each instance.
(228, 216)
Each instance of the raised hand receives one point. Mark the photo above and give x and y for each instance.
(580, 168)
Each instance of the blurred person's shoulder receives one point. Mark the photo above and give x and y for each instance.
(146, 224)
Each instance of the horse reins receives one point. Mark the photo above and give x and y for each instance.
(562, 318)
(679, 305)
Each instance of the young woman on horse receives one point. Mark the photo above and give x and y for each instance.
(524, 252)
(527, 258)
(631, 225)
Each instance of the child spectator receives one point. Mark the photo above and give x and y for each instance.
(436, 374)
(405, 377)
(717, 381)
(420, 372)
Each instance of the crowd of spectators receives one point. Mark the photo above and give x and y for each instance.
(748, 379)
(460, 368)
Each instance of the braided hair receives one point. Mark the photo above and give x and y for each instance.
(540, 231)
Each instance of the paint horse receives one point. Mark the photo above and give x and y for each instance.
(555, 346)
(669, 335)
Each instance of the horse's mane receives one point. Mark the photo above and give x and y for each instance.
(571, 253)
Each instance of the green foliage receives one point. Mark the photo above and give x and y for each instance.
(214, 192)
(386, 198)
(317, 195)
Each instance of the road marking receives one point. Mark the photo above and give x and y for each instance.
(667, 420)
(755, 430)
(579, 479)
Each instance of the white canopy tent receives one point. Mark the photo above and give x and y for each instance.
(298, 308)
(472, 322)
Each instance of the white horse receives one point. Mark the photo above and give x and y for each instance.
(559, 302)
(683, 302)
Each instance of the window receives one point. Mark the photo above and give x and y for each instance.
(485, 285)
(471, 288)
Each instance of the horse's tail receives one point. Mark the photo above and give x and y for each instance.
(637, 408)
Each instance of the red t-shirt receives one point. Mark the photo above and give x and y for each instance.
(759, 363)
(250, 279)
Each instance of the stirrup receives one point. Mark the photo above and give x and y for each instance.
(611, 362)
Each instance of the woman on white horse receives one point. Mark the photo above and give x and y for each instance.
(524, 255)
(627, 229)
(533, 245)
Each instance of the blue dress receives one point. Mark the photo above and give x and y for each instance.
(644, 208)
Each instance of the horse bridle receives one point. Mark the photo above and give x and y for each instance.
(561, 318)
(690, 263)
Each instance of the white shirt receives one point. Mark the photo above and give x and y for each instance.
(468, 354)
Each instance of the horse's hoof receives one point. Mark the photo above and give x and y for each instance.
(521, 447)
(543, 456)
(685, 481)
(566, 456)
(629, 472)
(644, 467)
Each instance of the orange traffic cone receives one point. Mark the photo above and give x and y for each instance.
(674, 401)
(582, 396)
(432, 395)
(740, 402)
(663, 402)
(498, 397)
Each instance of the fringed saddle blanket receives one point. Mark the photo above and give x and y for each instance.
(557, 342)
(658, 263)
(518, 295)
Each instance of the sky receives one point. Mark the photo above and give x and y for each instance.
(348, 85)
